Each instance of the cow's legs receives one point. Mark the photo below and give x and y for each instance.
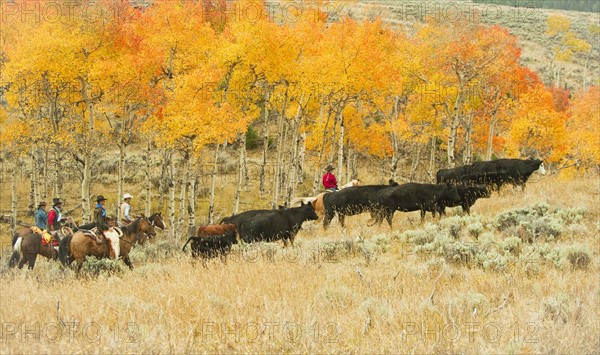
(327, 217)
(466, 208)
(441, 211)
(342, 217)
(389, 216)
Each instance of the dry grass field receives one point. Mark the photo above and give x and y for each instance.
(518, 276)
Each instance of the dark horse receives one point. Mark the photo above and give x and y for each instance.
(29, 246)
(157, 222)
(79, 245)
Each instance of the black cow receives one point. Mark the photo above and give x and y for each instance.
(351, 201)
(415, 197)
(211, 246)
(493, 173)
(235, 219)
(467, 197)
(271, 225)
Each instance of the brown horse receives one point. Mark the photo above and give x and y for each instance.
(157, 222)
(78, 246)
(27, 248)
(319, 206)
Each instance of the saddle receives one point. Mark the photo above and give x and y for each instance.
(100, 238)
(93, 234)
(47, 237)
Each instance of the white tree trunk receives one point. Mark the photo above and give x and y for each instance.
(454, 121)
(45, 173)
(393, 117)
(241, 172)
(13, 200)
(490, 143)
(278, 167)
(85, 189)
(302, 147)
(468, 156)
(172, 226)
(317, 177)
(341, 149)
(57, 176)
(349, 165)
(211, 206)
(34, 196)
(183, 190)
(121, 172)
(263, 163)
(86, 89)
(193, 182)
(432, 171)
(148, 179)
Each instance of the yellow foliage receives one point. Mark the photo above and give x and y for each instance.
(537, 125)
(557, 24)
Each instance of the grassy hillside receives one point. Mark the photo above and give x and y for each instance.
(518, 276)
(526, 21)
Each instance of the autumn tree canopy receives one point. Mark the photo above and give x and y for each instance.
(192, 74)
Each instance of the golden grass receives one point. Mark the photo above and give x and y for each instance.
(305, 300)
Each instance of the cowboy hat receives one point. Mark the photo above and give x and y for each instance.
(100, 198)
(329, 167)
(56, 201)
(126, 196)
(42, 203)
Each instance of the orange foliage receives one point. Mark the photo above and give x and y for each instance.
(584, 127)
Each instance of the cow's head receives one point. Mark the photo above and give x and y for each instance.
(308, 212)
(541, 169)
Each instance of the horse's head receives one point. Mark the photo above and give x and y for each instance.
(157, 221)
(111, 221)
(146, 226)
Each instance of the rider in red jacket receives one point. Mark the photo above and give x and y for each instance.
(329, 180)
(55, 215)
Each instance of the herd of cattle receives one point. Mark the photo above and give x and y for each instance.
(460, 186)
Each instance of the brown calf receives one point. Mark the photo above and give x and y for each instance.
(215, 229)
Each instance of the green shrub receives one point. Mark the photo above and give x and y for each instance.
(556, 308)
(512, 245)
(578, 256)
(95, 267)
(252, 139)
(156, 250)
(459, 253)
(475, 229)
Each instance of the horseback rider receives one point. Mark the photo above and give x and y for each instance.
(124, 216)
(41, 216)
(329, 180)
(55, 215)
(100, 218)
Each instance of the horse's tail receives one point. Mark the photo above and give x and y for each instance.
(186, 243)
(64, 250)
(16, 255)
